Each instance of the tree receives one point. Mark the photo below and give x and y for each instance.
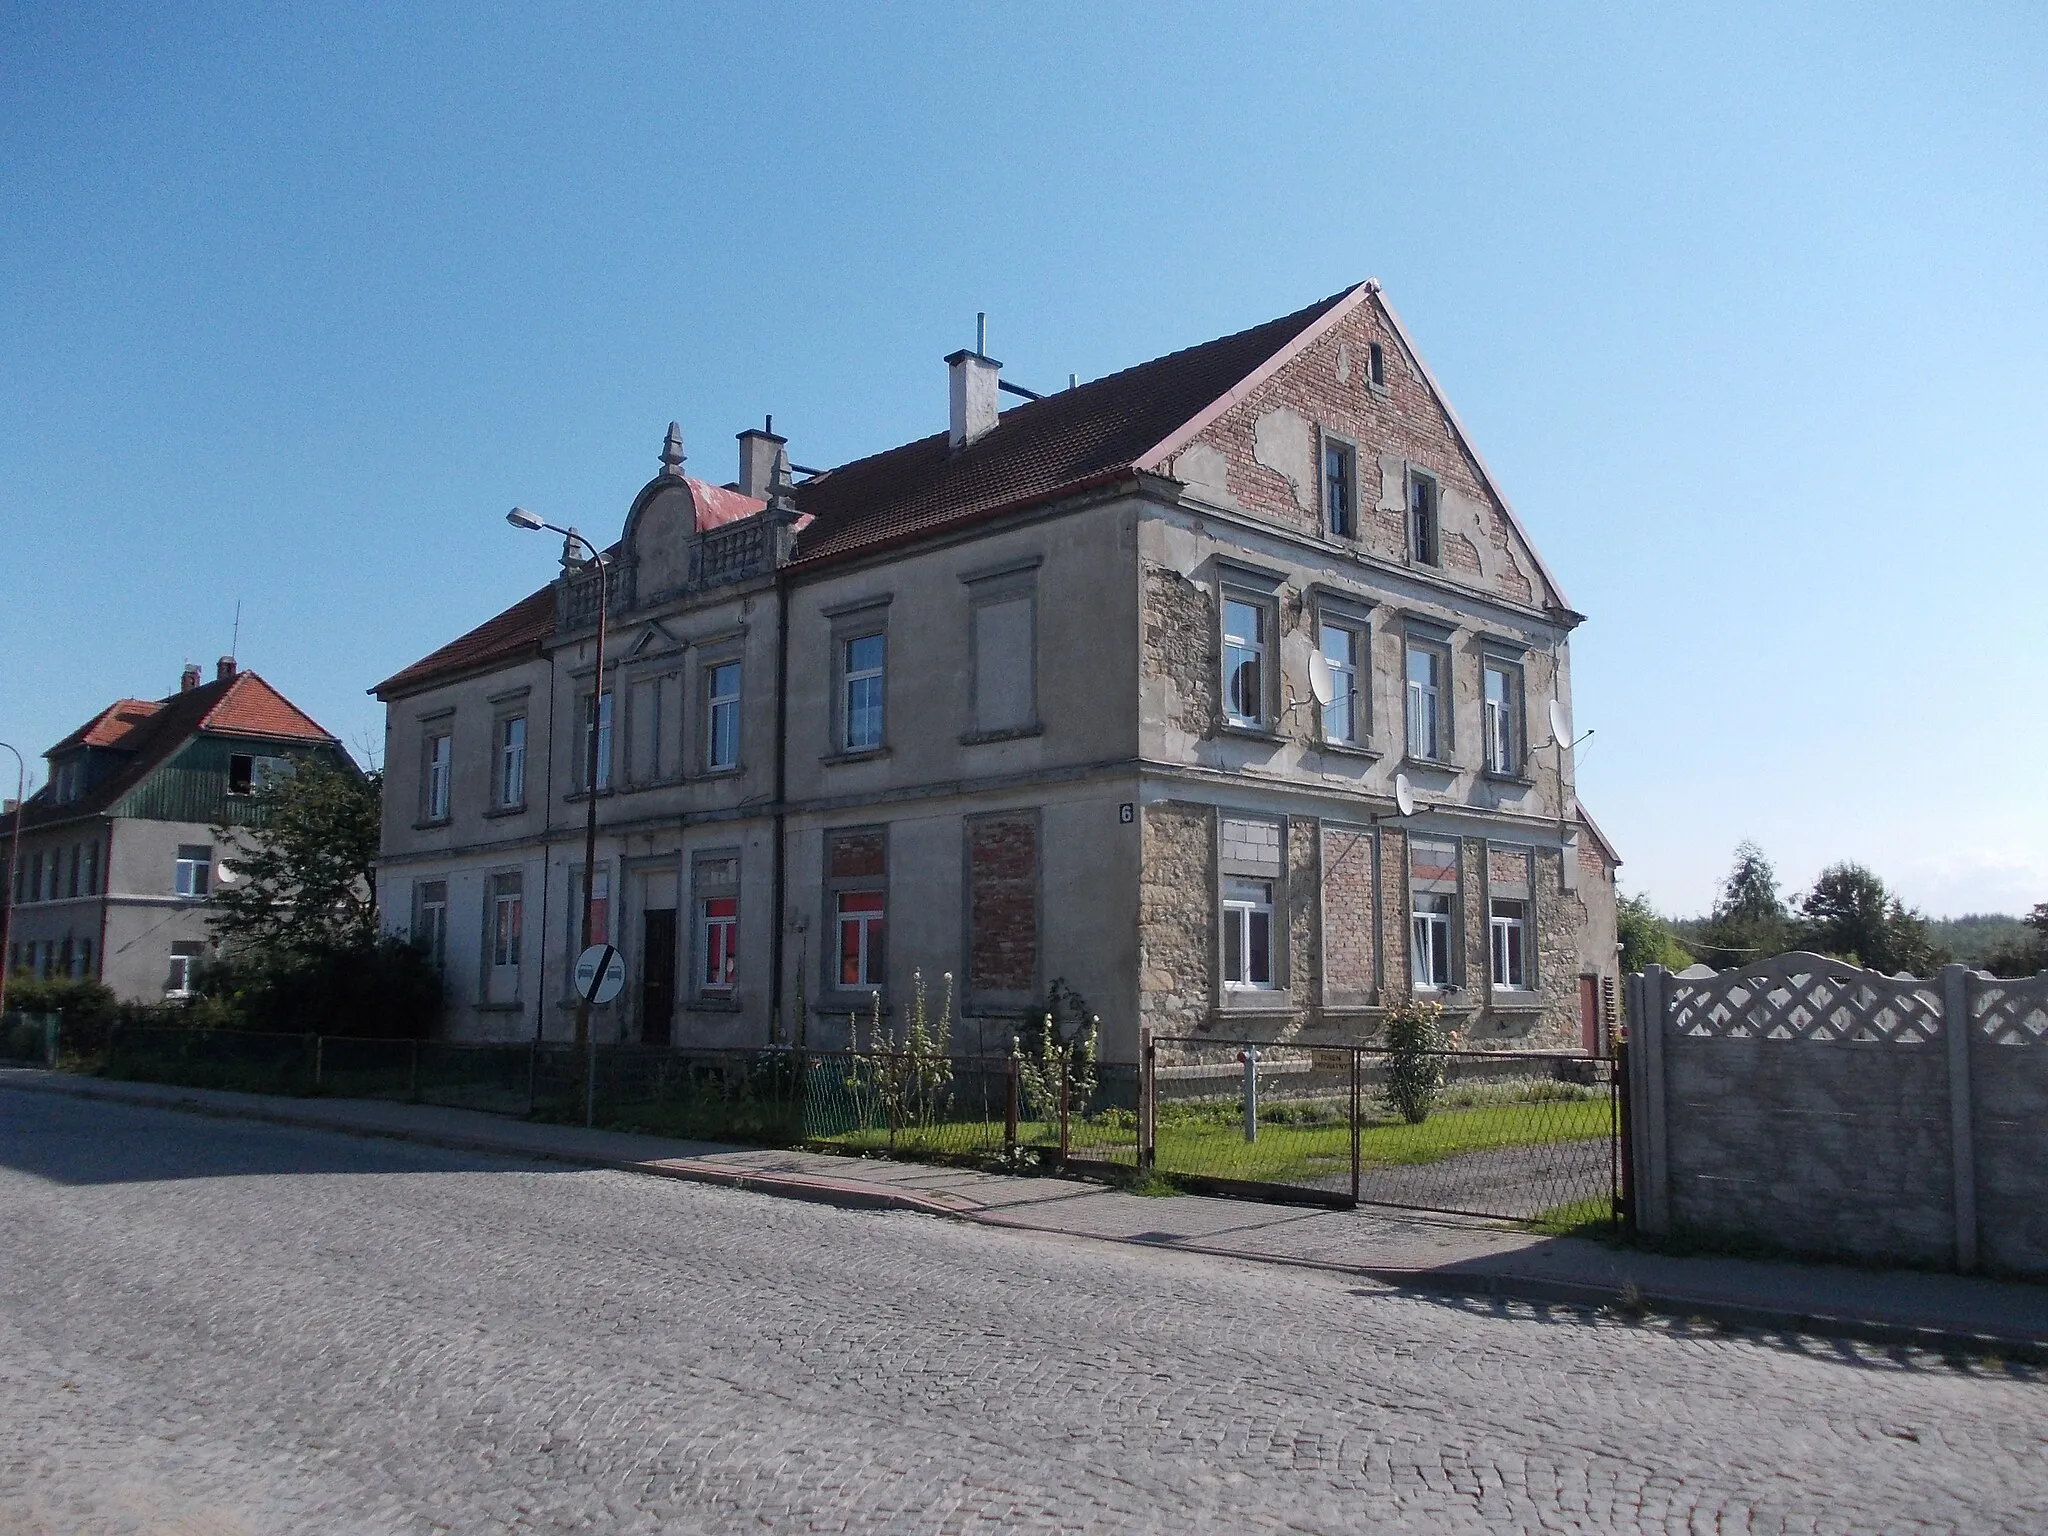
(2024, 957)
(308, 880)
(1850, 914)
(1646, 939)
(1750, 920)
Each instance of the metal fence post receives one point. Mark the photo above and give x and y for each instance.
(1063, 1106)
(318, 1043)
(892, 1077)
(412, 1082)
(532, 1076)
(1250, 1057)
(1356, 1148)
(590, 1078)
(1010, 1111)
(1148, 1109)
(1621, 1172)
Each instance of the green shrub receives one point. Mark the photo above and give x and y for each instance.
(1415, 1069)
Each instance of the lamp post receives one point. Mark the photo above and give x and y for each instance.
(13, 857)
(519, 517)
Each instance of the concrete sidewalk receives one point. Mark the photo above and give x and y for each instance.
(1441, 1253)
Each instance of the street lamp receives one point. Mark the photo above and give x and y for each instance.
(519, 517)
(13, 856)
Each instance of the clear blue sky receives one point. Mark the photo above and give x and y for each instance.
(1745, 305)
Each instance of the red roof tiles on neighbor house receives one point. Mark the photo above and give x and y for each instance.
(1064, 443)
(111, 725)
(249, 706)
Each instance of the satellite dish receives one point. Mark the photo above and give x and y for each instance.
(1322, 682)
(1560, 731)
(1404, 795)
(224, 872)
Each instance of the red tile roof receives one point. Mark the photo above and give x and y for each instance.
(241, 706)
(717, 506)
(1089, 435)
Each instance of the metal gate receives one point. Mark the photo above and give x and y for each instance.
(1517, 1135)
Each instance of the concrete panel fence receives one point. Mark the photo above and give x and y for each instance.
(1815, 1106)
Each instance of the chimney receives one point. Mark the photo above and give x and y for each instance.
(224, 669)
(758, 449)
(189, 678)
(971, 386)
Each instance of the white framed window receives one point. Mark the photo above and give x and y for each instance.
(722, 728)
(718, 942)
(1427, 665)
(1245, 627)
(1502, 738)
(1340, 488)
(430, 920)
(1344, 648)
(195, 866)
(1424, 541)
(1248, 935)
(511, 762)
(184, 963)
(440, 756)
(600, 910)
(860, 915)
(1431, 946)
(604, 743)
(508, 922)
(864, 661)
(1507, 927)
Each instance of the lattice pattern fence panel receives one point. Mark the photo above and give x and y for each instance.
(2010, 1012)
(1805, 997)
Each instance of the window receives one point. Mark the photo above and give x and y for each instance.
(92, 869)
(512, 762)
(1344, 716)
(604, 743)
(856, 864)
(1506, 925)
(430, 920)
(194, 863)
(440, 758)
(82, 960)
(1503, 738)
(1340, 488)
(863, 659)
(600, 909)
(1433, 896)
(72, 874)
(1248, 934)
(722, 736)
(269, 770)
(1376, 366)
(184, 961)
(1426, 667)
(507, 921)
(718, 936)
(860, 938)
(1244, 661)
(1422, 521)
(241, 773)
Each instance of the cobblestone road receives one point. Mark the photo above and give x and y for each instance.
(215, 1326)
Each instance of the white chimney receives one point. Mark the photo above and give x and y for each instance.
(758, 447)
(971, 380)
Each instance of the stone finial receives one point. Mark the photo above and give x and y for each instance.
(672, 450)
(781, 492)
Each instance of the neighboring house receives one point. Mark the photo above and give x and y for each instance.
(119, 850)
(1030, 698)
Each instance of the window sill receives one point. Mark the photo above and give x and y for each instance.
(712, 1004)
(1251, 733)
(729, 771)
(432, 824)
(1015, 733)
(1349, 749)
(511, 1007)
(1430, 764)
(853, 755)
(1520, 779)
(1515, 1000)
(576, 795)
(497, 811)
(838, 1004)
(1241, 1000)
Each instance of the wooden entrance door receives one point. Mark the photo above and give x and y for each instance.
(1589, 1015)
(657, 975)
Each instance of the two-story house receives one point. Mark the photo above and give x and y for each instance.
(1035, 697)
(122, 849)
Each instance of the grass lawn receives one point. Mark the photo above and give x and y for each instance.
(1317, 1154)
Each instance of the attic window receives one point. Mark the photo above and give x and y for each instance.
(1376, 367)
(1423, 543)
(241, 774)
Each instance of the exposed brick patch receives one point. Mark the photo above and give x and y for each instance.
(855, 855)
(1394, 902)
(1002, 862)
(1349, 912)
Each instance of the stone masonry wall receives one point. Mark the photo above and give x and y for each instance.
(1176, 969)
(1180, 626)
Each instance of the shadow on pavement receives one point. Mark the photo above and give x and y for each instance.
(70, 1140)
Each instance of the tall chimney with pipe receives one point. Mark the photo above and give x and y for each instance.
(224, 669)
(971, 388)
(758, 448)
(189, 678)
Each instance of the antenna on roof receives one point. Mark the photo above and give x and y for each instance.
(235, 640)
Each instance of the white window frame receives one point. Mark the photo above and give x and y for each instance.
(431, 913)
(1424, 701)
(193, 879)
(1501, 734)
(607, 714)
(1431, 930)
(722, 716)
(718, 938)
(1508, 941)
(184, 955)
(871, 956)
(1240, 651)
(854, 736)
(1247, 905)
(1350, 697)
(440, 765)
(508, 927)
(511, 762)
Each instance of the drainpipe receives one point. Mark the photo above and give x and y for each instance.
(775, 948)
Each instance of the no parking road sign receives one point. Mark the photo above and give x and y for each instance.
(600, 974)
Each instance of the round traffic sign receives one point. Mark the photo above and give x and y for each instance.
(600, 974)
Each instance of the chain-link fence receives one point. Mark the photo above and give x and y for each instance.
(1525, 1136)
(28, 1039)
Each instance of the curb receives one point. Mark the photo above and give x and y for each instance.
(849, 1195)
